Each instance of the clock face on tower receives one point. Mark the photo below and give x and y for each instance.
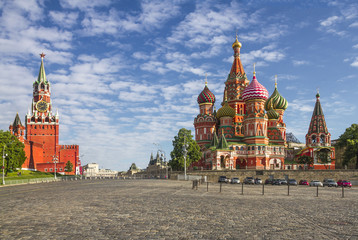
(41, 106)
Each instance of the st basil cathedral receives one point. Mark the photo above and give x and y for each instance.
(248, 131)
(40, 134)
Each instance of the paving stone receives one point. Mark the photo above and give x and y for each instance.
(164, 209)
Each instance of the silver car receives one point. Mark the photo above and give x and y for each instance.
(329, 183)
(315, 183)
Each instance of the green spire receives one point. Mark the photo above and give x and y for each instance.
(223, 143)
(215, 140)
(17, 121)
(42, 74)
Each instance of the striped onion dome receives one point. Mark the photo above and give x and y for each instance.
(272, 114)
(276, 101)
(254, 91)
(206, 96)
(225, 111)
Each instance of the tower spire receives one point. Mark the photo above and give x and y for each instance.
(42, 74)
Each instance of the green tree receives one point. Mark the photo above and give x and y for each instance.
(349, 141)
(13, 150)
(177, 155)
(69, 167)
(304, 159)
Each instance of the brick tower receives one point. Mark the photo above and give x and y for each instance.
(42, 126)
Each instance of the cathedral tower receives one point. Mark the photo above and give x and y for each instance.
(234, 86)
(205, 122)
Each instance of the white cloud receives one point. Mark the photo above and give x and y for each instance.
(355, 62)
(330, 21)
(299, 62)
(64, 19)
(84, 4)
(355, 46)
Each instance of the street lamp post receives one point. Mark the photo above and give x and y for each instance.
(3, 166)
(185, 152)
(55, 161)
(3, 162)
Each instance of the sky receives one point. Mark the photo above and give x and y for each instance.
(125, 75)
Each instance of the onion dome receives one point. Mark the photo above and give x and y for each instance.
(225, 110)
(236, 44)
(254, 91)
(276, 101)
(206, 96)
(272, 114)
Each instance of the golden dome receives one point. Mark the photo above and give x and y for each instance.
(236, 44)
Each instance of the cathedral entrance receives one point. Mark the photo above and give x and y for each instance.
(275, 163)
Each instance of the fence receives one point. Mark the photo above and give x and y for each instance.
(260, 189)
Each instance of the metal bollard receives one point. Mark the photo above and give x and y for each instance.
(242, 188)
(288, 189)
(207, 186)
(342, 192)
(220, 186)
(263, 189)
(317, 191)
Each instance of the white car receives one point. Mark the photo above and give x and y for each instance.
(316, 183)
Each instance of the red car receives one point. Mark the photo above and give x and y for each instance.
(344, 183)
(303, 182)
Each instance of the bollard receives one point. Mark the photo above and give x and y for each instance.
(263, 189)
(288, 189)
(220, 186)
(317, 191)
(342, 192)
(242, 189)
(207, 186)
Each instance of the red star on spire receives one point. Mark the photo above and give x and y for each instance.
(42, 55)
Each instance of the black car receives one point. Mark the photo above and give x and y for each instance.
(269, 181)
(222, 179)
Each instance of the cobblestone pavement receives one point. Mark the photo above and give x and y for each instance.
(163, 209)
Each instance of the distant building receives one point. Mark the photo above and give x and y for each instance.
(318, 140)
(40, 134)
(133, 169)
(92, 170)
(157, 167)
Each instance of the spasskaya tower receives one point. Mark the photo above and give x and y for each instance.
(41, 125)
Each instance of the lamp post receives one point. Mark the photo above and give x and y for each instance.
(185, 152)
(3, 166)
(3, 162)
(55, 161)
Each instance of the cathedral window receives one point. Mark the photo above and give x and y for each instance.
(322, 138)
(259, 148)
(314, 139)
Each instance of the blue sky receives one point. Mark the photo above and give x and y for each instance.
(126, 74)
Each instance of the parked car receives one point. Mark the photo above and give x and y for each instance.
(269, 181)
(292, 182)
(329, 183)
(235, 180)
(283, 182)
(303, 182)
(315, 183)
(344, 183)
(276, 182)
(249, 180)
(222, 179)
(258, 181)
